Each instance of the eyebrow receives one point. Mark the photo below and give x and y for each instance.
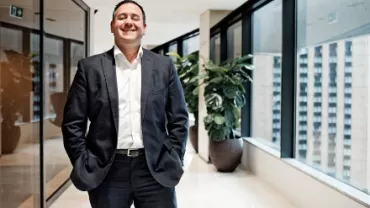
(123, 13)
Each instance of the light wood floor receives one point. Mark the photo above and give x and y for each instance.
(202, 186)
(20, 173)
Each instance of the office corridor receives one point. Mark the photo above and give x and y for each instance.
(201, 186)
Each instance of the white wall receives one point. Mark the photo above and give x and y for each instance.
(156, 34)
(166, 19)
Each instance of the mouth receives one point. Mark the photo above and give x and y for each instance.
(128, 30)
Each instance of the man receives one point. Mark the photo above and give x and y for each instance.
(133, 152)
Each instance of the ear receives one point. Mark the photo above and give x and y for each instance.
(111, 26)
(144, 31)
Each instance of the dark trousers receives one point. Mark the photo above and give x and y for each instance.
(129, 181)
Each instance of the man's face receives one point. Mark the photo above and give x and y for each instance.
(128, 24)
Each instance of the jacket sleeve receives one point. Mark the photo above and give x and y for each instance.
(176, 112)
(74, 122)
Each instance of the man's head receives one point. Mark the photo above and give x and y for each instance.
(129, 22)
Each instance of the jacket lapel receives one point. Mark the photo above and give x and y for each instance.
(109, 69)
(146, 78)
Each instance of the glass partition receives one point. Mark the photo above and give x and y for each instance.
(64, 45)
(19, 134)
(215, 48)
(173, 48)
(333, 89)
(190, 45)
(266, 91)
(234, 40)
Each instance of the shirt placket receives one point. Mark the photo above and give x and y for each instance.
(131, 90)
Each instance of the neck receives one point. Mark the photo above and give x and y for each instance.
(129, 50)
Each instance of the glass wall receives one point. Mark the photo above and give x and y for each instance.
(20, 97)
(333, 89)
(190, 45)
(173, 48)
(19, 152)
(215, 48)
(234, 40)
(65, 26)
(327, 127)
(266, 91)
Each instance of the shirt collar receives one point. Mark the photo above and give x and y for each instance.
(117, 51)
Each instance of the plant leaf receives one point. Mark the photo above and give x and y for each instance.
(219, 119)
(173, 54)
(216, 80)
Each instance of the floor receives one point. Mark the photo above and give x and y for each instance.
(202, 186)
(19, 172)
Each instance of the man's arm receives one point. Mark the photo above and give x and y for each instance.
(177, 114)
(75, 116)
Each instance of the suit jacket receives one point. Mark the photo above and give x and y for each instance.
(94, 96)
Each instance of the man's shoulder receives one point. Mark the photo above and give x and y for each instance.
(158, 57)
(92, 59)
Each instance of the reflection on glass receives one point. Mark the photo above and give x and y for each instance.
(190, 45)
(266, 91)
(54, 76)
(215, 49)
(234, 49)
(333, 89)
(64, 47)
(19, 137)
(234, 40)
(173, 48)
(77, 53)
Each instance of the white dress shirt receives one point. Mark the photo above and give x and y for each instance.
(129, 96)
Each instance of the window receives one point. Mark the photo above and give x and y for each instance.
(234, 40)
(267, 39)
(215, 47)
(336, 48)
(190, 45)
(173, 48)
(19, 137)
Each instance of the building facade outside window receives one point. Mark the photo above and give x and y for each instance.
(332, 77)
(266, 91)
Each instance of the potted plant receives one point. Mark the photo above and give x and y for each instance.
(16, 85)
(224, 96)
(188, 69)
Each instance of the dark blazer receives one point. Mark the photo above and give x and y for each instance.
(93, 95)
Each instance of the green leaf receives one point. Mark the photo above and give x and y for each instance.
(196, 91)
(197, 78)
(208, 119)
(173, 54)
(249, 66)
(219, 119)
(229, 117)
(216, 80)
(239, 99)
(213, 101)
(230, 79)
(230, 91)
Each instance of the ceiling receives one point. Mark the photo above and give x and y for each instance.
(166, 19)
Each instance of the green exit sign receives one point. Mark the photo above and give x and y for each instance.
(16, 11)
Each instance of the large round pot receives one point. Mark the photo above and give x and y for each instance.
(10, 136)
(193, 136)
(226, 155)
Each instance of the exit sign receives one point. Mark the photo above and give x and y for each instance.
(16, 11)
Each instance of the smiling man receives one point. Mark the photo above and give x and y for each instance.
(134, 150)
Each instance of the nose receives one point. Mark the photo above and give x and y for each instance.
(128, 22)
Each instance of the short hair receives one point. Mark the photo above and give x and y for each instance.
(132, 2)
